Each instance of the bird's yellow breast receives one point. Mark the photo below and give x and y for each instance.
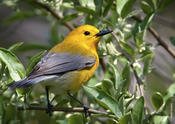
(77, 78)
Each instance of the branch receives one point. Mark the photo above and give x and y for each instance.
(139, 81)
(158, 38)
(56, 15)
(77, 109)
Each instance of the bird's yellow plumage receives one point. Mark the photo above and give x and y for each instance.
(68, 65)
(78, 43)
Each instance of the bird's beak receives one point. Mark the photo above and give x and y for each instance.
(104, 32)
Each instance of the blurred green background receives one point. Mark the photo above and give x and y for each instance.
(37, 31)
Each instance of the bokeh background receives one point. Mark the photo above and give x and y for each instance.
(36, 30)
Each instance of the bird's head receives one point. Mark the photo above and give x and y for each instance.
(87, 34)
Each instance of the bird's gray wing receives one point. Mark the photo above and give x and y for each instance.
(59, 63)
(52, 65)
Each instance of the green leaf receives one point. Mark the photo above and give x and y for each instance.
(2, 112)
(158, 119)
(2, 68)
(169, 93)
(21, 15)
(126, 77)
(105, 100)
(133, 13)
(147, 64)
(137, 111)
(145, 55)
(15, 68)
(76, 119)
(124, 7)
(146, 22)
(98, 7)
(33, 46)
(157, 100)
(14, 47)
(147, 9)
(127, 48)
(108, 86)
(117, 76)
(125, 119)
(107, 7)
(172, 39)
(69, 17)
(155, 3)
(85, 10)
(33, 61)
(138, 37)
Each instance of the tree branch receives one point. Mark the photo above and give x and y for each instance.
(77, 109)
(158, 38)
(139, 81)
(56, 15)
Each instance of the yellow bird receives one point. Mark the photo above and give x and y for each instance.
(68, 65)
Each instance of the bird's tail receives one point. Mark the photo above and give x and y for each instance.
(24, 83)
(27, 82)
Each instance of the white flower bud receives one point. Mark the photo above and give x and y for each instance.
(136, 64)
(142, 49)
(128, 26)
(126, 30)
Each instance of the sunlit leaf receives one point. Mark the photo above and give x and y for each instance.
(126, 77)
(133, 13)
(117, 76)
(147, 64)
(108, 86)
(158, 119)
(105, 100)
(14, 47)
(16, 70)
(124, 7)
(127, 48)
(146, 7)
(137, 112)
(155, 3)
(146, 22)
(169, 93)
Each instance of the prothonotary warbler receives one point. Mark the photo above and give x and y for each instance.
(68, 65)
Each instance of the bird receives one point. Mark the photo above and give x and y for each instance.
(68, 65)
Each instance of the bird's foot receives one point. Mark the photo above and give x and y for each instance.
(49, 109)
(86, 112)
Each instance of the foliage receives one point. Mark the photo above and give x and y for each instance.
(111, 93)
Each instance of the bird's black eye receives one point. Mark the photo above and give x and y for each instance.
(86, 33)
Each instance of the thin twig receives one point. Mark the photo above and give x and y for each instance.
(139, 81)
(56, 15)
(158, 38)
(62, 109)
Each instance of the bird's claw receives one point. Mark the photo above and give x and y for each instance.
(49, 109)
(86, 112)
